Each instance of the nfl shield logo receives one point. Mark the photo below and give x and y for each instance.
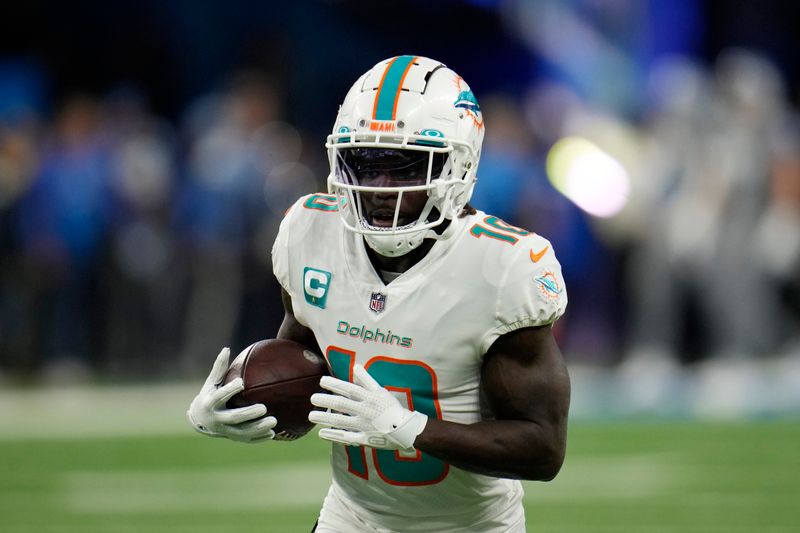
(377, 302)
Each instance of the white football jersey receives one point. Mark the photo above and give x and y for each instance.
(423, 337)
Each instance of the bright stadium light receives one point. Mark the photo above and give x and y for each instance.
(588, 176)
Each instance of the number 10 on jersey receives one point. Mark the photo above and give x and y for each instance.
(417, 381)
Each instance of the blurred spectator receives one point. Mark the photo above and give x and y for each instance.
(777, 235)
(661, 273)
(750, 103)
(143, 275)
(62, 222)
(235, 143)
(19, 160)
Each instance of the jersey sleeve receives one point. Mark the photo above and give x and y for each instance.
(531, 293)
(280, 248)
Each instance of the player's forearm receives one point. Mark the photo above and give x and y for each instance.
(501, 448)
(293, 330)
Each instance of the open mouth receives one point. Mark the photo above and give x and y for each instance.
(383, 221)
(383, 218)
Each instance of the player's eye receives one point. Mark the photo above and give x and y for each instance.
(416, 173)
(369, 174)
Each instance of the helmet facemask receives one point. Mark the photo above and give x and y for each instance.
(372, 173)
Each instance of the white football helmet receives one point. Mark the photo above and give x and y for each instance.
(409, 124)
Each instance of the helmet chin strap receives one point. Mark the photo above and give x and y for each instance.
(398, 245)
(395, 245)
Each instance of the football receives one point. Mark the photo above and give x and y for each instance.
(282, 375)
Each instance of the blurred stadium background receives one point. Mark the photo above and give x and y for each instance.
(148, 150)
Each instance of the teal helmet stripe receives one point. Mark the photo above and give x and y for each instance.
(389, 89)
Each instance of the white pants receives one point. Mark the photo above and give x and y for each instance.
(339, 516)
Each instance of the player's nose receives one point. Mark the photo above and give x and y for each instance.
(382, 195)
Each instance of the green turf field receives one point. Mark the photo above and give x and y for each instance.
(619, 477)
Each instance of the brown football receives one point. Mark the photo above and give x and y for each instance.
(282, 375)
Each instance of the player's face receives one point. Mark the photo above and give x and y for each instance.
(379, 167)
(379, 207)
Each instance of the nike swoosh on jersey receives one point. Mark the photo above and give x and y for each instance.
(536, 256)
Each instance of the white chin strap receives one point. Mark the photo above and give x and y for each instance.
(393, 244)
(396, 245)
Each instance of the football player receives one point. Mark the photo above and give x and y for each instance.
(435, 318)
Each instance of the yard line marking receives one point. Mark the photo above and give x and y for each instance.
(613, 478)
(77, 412)
(283, 486)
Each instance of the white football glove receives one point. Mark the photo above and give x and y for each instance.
(367, 414)
(209, 415)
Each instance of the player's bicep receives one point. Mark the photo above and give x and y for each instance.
(524, 377)
(291, 329)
